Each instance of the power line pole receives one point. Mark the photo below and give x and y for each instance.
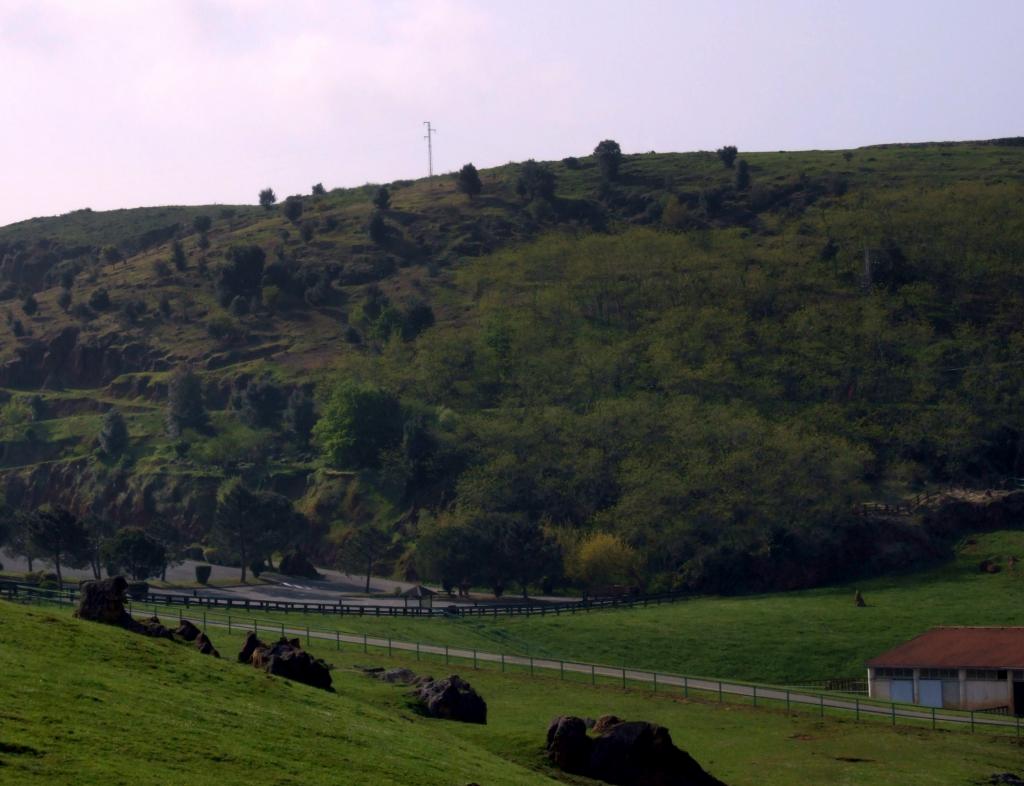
(430, 146)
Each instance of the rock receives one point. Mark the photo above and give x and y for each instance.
(153, 627)
(452, 698)
(568, 744)
(858, 600)
(286, 659)
(402, 676)
(187, 631)
(205, 646)
(605, 722)
(103, 601)
(628, 753)
(250, 646)
(988, 566)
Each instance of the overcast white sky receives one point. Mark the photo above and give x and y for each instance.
(119, 104)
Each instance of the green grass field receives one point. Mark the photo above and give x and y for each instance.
(87, 704)
(783, 638)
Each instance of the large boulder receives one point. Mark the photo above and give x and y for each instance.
(103, 601)
(626, 753)
(452, 698)
(205, 646)
(187, 631)
(286, 659)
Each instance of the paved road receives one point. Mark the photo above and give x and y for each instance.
(656, 680)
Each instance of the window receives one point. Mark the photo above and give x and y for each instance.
(939, 674)
(986, 674)
(886, 673)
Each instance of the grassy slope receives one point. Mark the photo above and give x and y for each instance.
(780, 638)
(95, 705)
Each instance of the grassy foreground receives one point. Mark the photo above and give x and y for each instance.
(87, 704)
(783, 638)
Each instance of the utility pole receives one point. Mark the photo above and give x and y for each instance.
(430, 146)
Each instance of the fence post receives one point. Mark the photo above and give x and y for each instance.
(893, 714)
(755, 695)
(972, 721)
(561, 669)
(417, 650)
(364, 642)
(686, 687)
(623, 678)
(204, 617)
(933, 719)
(502, 662)
(531, 665)
(654, 675)
(719, 691)
(389, 646)
(593, 677)
(229, 624)
(282, 630)
(821, 698)
(179, 616)
(474, 658)
(857, 708)
(337, 638)
(445, 654)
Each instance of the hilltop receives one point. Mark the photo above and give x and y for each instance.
(716, 372)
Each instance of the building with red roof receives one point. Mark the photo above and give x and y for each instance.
(954, 668)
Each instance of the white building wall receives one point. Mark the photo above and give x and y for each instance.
(981, 694)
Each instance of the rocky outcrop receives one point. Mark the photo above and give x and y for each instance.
(626, 753)
(452, 698)
(103, 601)
(187, 631)
(205, 646)
(67, 359)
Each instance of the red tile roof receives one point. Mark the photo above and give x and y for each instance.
(958, 648)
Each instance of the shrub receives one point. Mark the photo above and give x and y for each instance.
(742, 175)
(535, 181)
(113, 436)
(727, 155)
(99, 300)
(203, 573)
(319, 190)
(239, 306)
(202, 224)
(161, 268)
(292, 208)
(468, 181)
(609, 156)
(267, 198)
(307, 231)
(203, 243)
(571, 162)
(29, 305)
(378, 228)
(64, 300)
(382, 198)
(178, 257)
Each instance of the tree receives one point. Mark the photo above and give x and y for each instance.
(609, 156)
(292, 208)
(377, 228)
(267, 198)
(113, 436)
(319, 190)
(202, 223)
(529, 552)
(112, 255)
(603, 561)
(468, 181)
(260, 403)
(99, 300)
(134, 552)
(727, 155)
(242, 273)
(360, 547)
(299, 417)
(236, 528)
(178, 256)
(60, 536)
(357, 423)
(185, 407)
(535, 181)
(19, 541)
(382, 198)
(99, 529)
(742, 175)
(30, 305)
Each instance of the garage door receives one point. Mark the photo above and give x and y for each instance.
(903, 690)
(930, 692)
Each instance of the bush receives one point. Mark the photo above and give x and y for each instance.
(727, 155)
(378, 228)
(382, 198)
(161, 268)
(609, 156)
(178, 257)
(267, 198)
(307, 231)
(239, 306)
(256, 567)
(292, 208)
(64, 300)
(742, 175)
(319, 190)
(535, 181)
(29, 305)
(202, 224)
(99, 300)
(571, 162)
(203, 573)
(468, 181)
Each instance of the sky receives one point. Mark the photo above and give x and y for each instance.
(107, 103)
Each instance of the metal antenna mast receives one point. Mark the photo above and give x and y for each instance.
(430, 146)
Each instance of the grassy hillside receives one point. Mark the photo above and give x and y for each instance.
(715, 373)
(90, 704)
(782, 638)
